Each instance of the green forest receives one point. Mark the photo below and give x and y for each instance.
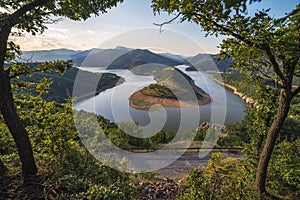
(61, 87)
(156, 90)
(42, 155)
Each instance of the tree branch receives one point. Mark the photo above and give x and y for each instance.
(14, 18)
(264, 73)
(276, 67)
(167, 22)
(264, 47)
(225, 29)
(18, 74)
(24, 72)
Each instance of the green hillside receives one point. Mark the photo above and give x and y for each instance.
(208, 62)
(62, 86)
(140, 57)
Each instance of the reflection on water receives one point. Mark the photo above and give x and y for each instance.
(113, 104)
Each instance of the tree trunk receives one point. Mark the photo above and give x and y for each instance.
(2, 168)
(15, 126)
(280, 117)
(9, 112)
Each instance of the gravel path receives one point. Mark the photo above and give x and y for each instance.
(180, 167)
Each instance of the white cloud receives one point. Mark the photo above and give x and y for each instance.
(91, 32)
(39, 42)
(54, 38)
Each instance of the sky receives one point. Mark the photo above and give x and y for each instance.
(130, 24)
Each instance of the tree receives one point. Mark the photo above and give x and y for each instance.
(238, 3)
(32, 16)
(259, 45)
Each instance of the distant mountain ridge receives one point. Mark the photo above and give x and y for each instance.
(208, 62)
(102, 58)
(141, 57)
(126, 58)
(55, 54)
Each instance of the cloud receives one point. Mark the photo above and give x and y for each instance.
(39, 42)
(91, 32)
(52, 38)
(56, 33)
(55, 38)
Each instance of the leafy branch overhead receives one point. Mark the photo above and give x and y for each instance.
(258, 42)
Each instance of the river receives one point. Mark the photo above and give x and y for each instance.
(113, 104)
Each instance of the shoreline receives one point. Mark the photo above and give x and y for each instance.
(87, 95)
(243, 96)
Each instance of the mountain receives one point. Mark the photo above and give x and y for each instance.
(138, 60)
(85, 53)
(139, 57)
(117, 58)
(48, 55)
(62, 86)
(55, 54)
(178, 58)
(101, 58)
(208, 62)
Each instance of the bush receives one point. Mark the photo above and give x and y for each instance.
(68, 170)
(284, 170)
(223, 178)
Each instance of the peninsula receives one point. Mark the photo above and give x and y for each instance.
(173, 89)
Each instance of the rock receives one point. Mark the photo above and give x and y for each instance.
(159, 190)
(206, 125)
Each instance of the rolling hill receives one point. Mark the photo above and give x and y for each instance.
(208, 62)
(55, 54)
(62, 86)
(139, 57)
(102, 58)
(126, 58)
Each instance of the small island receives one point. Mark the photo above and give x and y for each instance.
(173, 89)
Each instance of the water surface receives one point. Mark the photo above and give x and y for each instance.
(113, 104)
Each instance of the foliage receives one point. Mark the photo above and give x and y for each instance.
(75, 10)
(284, 169)
(235, 135)
(200, 135)
(17, 17)
(282, 160)
(156, 90)
(70, 172)
(172, 84)
(62, 84)
(124, 134)
(223, 178)
(231, 178)
(251, 86)
(251, 133)
(161, 137)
